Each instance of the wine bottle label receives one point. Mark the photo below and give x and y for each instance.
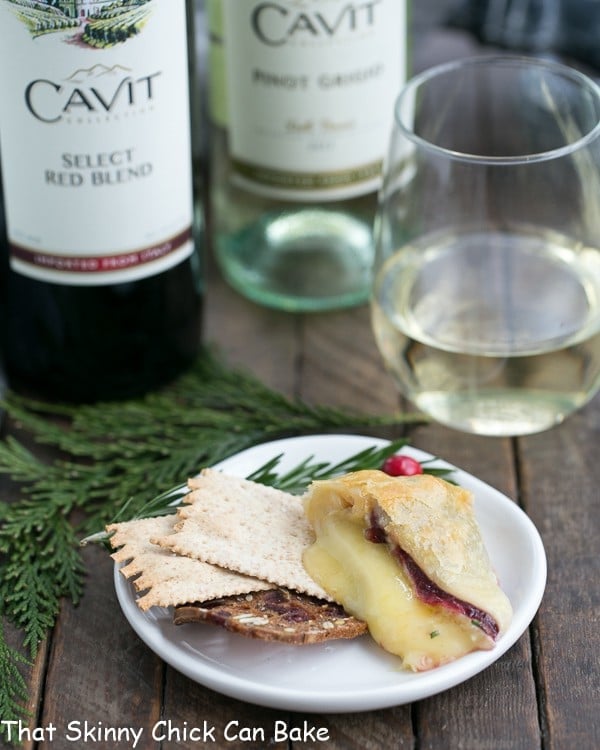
(95, 138)
(310, 93)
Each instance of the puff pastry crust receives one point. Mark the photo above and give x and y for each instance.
(431, 531)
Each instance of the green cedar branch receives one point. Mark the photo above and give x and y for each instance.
(117, 454)
(13, 693)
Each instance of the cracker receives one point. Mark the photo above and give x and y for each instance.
(165, 580)
(244, 526)
(276, 615)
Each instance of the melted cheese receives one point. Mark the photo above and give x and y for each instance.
(368, 582)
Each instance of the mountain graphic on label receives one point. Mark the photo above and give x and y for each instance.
(88, 23)
(97, 71)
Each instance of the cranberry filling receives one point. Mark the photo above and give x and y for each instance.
(428, 591)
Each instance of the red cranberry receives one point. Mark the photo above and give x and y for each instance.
(401, 466)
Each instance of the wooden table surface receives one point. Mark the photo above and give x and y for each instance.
(543, 693)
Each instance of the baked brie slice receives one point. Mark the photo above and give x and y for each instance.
(405, 554)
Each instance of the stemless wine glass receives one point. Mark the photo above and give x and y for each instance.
(486, 296)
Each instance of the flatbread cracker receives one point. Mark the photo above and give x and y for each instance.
(276, 615)
(244, 526)
(164, 579)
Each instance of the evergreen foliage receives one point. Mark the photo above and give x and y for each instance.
(115, 460)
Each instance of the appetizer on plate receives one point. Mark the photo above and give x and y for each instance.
(400, 556)
(405, 554)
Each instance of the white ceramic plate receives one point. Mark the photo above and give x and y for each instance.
(353, 675)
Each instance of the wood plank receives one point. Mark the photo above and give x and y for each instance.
(331, 369)
(341, 365)
(267, 344)
(282, 363)
(35, 673)
(236, 723)
(263, 341)
(490, 459)
(34, 678)
(468, 718)
(497, 708)
(560, 474)
(373, 730)
(32, 674)
(232, 724)
(99, 671)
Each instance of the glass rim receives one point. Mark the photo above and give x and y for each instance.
(510, 60)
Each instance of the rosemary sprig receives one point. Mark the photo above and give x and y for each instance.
(124, 453)
(295, 480)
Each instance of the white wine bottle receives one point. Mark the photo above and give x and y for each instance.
(301, 105)
(101, 263)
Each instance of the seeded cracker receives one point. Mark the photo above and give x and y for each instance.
(275, 615)
(167, 580)
(247, 527)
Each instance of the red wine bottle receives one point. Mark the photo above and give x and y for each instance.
(100, 218)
